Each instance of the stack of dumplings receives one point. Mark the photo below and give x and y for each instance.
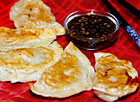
(27, 51)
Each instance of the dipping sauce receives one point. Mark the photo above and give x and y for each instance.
(91, 26)
(91, 31)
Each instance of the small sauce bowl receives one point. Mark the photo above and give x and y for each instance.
(91, 29)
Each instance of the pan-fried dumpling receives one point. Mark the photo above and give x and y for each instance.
(27, 64)
(114, 77)
(34, 14)
(72, 74)
(25, 38)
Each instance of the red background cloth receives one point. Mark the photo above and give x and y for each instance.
(124, 48)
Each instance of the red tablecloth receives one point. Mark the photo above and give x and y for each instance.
(124, 48)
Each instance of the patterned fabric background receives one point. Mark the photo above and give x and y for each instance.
(124, 48)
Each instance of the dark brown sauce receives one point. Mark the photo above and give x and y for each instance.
(91, 26)
(84, 28)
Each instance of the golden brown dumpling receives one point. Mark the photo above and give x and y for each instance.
(27, 64)
(34, 14)
(11, 39)
(114, 77)
(72, 74)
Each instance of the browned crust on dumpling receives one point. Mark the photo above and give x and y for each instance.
(27, 64)
(11, 39)
(114, 77)
(30, 14)
(72, 74)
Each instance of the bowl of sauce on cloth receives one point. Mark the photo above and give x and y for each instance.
(91, 29)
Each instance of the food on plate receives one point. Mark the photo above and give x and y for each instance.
(114, 78)
(25, 38)
(72, 74)
(34, 14)
(27, 64)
